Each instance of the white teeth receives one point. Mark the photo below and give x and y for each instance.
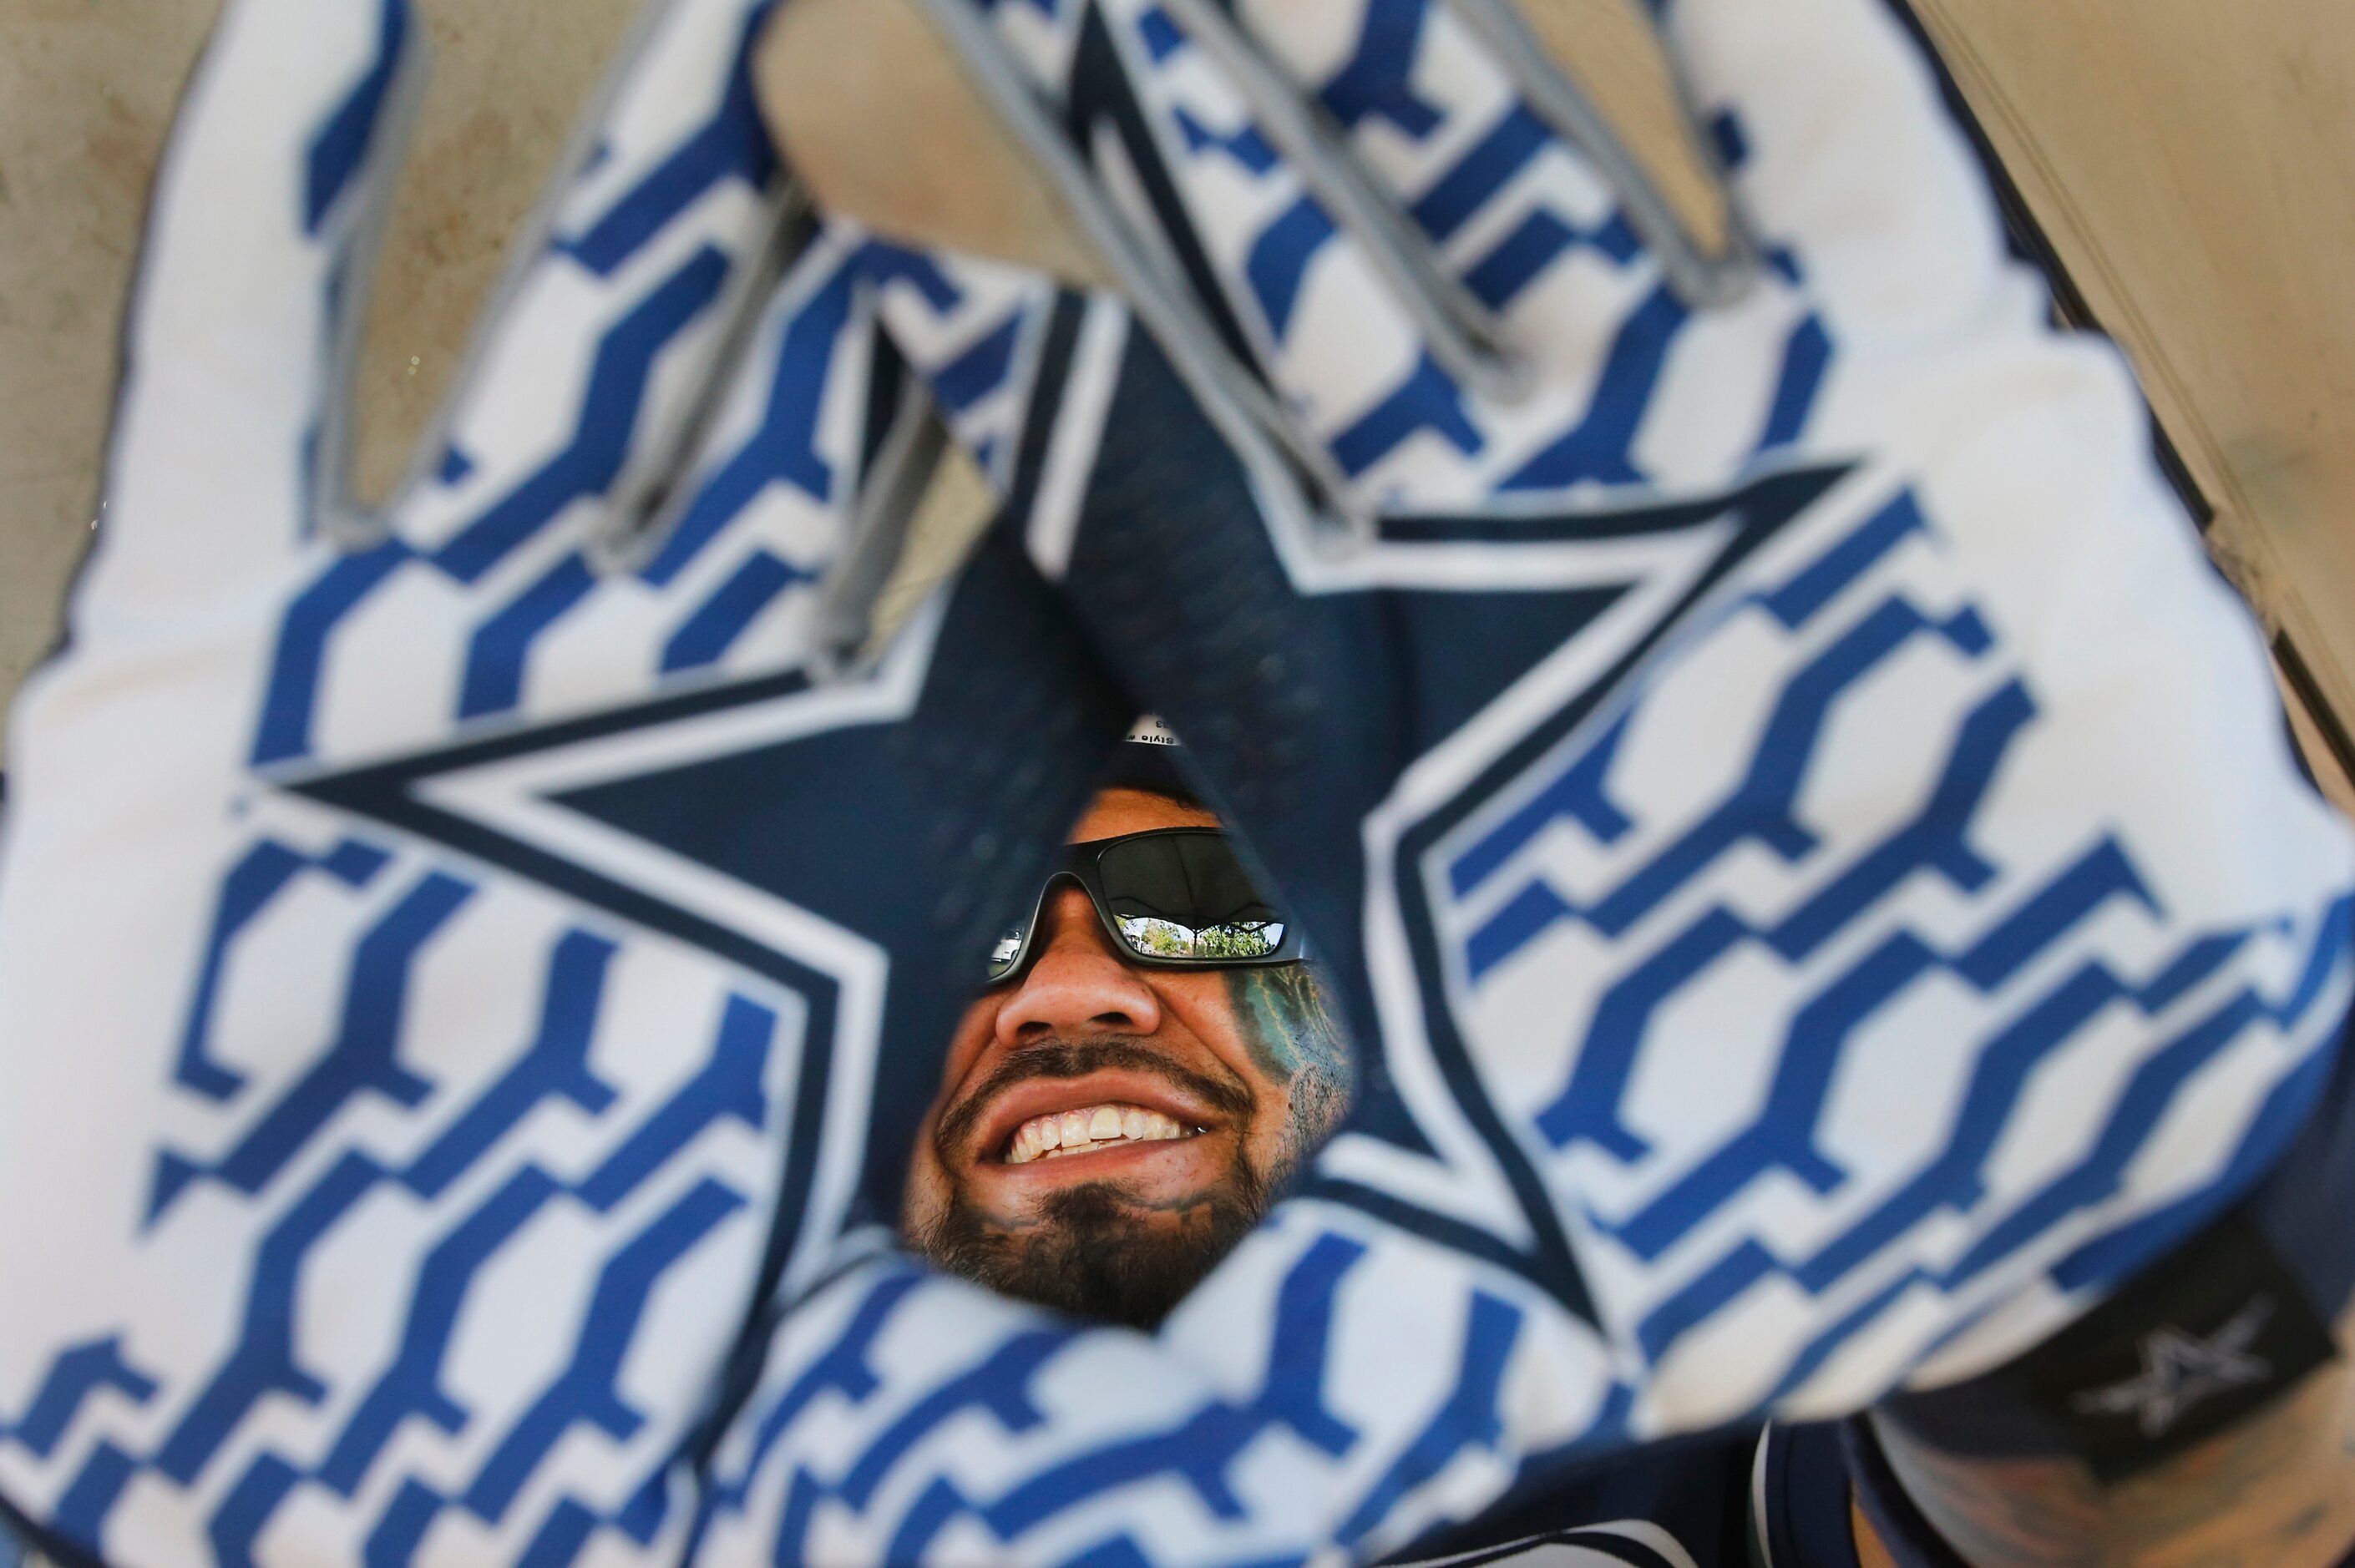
(1052, 1136)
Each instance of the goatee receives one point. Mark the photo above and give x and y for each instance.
(1092, 1251)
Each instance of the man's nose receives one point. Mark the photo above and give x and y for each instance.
(1078, 982)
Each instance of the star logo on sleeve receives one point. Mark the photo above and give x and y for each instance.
(2181, 1371)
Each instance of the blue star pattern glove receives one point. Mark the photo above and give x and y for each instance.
(449, 959)
(1809, 838)
(1813, 838)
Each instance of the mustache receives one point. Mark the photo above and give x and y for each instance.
(1077, 1059)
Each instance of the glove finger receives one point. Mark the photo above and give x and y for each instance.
(282, 148)
(1845, 161)
(724, 584)
(1179, 144)
(613, 319)
(1614, 362)
(1521, 216)
(485, 602)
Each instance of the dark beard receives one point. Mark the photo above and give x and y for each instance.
(1091, 1253)
(1090, 1250)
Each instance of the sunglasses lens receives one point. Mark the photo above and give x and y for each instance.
(1220, 943)
(1187, 895)
(1008, 948)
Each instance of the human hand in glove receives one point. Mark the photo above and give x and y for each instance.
(452, 958)
(1810, 842)
(1808, 839)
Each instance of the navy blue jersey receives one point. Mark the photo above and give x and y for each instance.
(1779, 1498)
(1782, 1500)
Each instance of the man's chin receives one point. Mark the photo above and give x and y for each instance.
(1093, 1250)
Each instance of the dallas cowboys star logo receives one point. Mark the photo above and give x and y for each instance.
(2181, 1371)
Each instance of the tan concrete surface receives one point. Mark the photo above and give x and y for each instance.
(84, 93)
(87, 90)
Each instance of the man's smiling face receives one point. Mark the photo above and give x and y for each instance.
(1105, 1131)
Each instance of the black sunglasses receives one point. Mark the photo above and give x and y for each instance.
(1170, 898)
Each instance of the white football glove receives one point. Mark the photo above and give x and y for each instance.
(451, 960)
(1809, 840)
